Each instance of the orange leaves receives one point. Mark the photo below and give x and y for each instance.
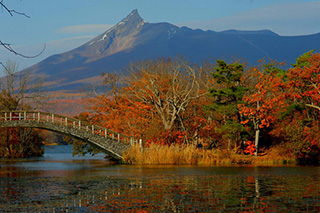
(162, 101)
(268, 98)
(120, 114)
(161, 98)
(304, 81)
(265, 122)
(250, 148)
(245, 122)
(168, 137)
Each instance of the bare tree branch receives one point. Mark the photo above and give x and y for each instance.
(8, 47)
(313, 106)
(6, 69)
(168, 85)
(11, 12)
(20, 90)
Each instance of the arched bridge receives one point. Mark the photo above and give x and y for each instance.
(112, 143)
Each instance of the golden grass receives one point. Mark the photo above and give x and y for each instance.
(278, 155)
(189, 155)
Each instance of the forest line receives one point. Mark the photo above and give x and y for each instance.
(214, 109)
(220, 106)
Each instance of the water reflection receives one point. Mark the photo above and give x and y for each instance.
(88, 185)
(56, 161)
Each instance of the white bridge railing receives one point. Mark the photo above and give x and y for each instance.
(65, 121)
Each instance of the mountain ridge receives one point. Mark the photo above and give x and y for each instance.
(134, 39)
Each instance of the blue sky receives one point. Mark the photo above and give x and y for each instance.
(63, 25)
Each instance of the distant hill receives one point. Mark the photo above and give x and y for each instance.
(135, 39)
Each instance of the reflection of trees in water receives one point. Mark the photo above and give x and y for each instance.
(25, 190)
(264, 193)
(163, 193)
(178, 194)
(251, 196)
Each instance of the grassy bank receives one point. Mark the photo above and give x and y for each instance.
(189, 155)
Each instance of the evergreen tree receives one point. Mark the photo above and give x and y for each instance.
(226, 97)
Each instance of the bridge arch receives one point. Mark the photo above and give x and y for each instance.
(110, 142)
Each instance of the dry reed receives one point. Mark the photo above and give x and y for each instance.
(189, 155)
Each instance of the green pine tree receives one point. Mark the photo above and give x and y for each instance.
(227, 96)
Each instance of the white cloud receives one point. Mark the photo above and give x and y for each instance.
(93, 28)
(285, 19)
(66, 44)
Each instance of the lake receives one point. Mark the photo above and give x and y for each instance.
(58, 182)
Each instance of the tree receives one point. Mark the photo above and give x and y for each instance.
(12, 99)
(304, 80)
(154, 101)
(286, 102)
(19, 91)
(263, 101)
(168, 86)
(227, 95)
(299, 121)
(303, 83)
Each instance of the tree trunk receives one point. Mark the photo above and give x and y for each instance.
(256, 143)
(256, 126)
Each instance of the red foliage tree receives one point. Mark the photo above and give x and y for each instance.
(264, 101)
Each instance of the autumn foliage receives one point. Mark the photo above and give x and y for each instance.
(160, 102)
(228, 107)
(285, 105)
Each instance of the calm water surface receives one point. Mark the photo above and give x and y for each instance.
(59, 182)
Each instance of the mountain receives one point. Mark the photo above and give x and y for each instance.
(135, 39)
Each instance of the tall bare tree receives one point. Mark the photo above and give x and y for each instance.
(19, 90)
(168, 85)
